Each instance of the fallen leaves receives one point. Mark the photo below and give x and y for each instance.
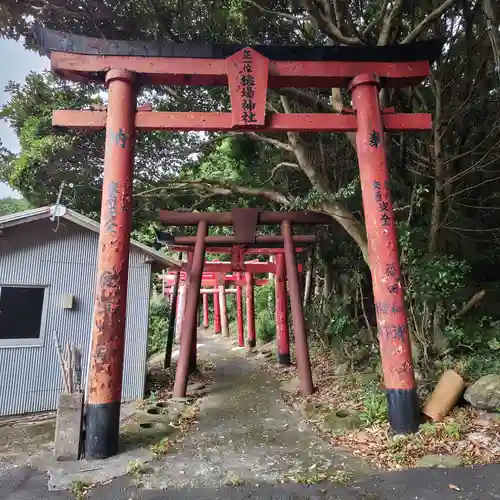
(466, 432)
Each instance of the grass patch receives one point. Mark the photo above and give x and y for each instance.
(161, 448)
(375, 405)
(315, 476)
(136, 469)
(233, 480)
(79, 489)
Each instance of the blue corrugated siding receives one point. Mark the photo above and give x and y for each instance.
(65, 261)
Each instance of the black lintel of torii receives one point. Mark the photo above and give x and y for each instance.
(58, 41)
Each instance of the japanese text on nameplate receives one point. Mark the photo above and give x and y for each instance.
(247, 84)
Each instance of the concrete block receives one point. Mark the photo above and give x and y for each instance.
(68, 426)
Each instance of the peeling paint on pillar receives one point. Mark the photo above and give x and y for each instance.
(108, 332)
(393, 334)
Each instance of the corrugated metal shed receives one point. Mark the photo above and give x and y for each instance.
(61, 255)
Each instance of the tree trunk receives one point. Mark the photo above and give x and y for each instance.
(493, 23)
(437, 202)
(309, 278)
(328, 283)
(352, 226)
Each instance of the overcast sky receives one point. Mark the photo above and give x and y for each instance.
(15, 64)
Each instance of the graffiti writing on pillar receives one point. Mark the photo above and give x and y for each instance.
(393, 332)
(247, 83)
(391, 270)
(374, 140)
(386, 308)
(109, 279)
(107, 301)
(383, 204)
(118, 138)
(111, 207)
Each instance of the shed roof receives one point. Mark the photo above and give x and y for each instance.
(81, 220)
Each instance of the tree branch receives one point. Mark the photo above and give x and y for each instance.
(305, 99)
(284, 164)
(283, 15)
(219, 188)
(388, 22)
(327, 25)
(274, 142)
(376, 20)
(429, 19)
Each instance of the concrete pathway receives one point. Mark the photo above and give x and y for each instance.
(246, 433)
(246, 442)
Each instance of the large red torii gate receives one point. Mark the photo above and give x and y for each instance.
(124, 66)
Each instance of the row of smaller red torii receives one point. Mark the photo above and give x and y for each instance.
(244, 241)
(214, 284)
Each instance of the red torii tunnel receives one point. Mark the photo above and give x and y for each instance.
(244, 222)
(214, 284)
(125, 66)
(217, 280)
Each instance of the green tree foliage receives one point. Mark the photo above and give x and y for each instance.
(12, 205)
(158, 324)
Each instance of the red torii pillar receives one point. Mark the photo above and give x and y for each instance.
(188, 336)
(299, 325)
(394, 338)
(217, 325)
(249, 292)
(206, 319)
(239, 311)
(281, 306)
(108, 332)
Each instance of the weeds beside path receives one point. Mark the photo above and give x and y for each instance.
(471, 435)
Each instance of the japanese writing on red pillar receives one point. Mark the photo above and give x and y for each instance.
(392, 328)
(247, 88)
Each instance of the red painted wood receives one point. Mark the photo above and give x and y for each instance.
(108, 329)
(282, 334)
(247, 73)
(303, 239)
(208, 72)
(249, 293)
(219, 122)
(217, 325)
(299, 325)
(188, 336)
(394, 338)
(206, 320)
(228, 250)
(173, 218)
(239, 312)
(252, 267)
